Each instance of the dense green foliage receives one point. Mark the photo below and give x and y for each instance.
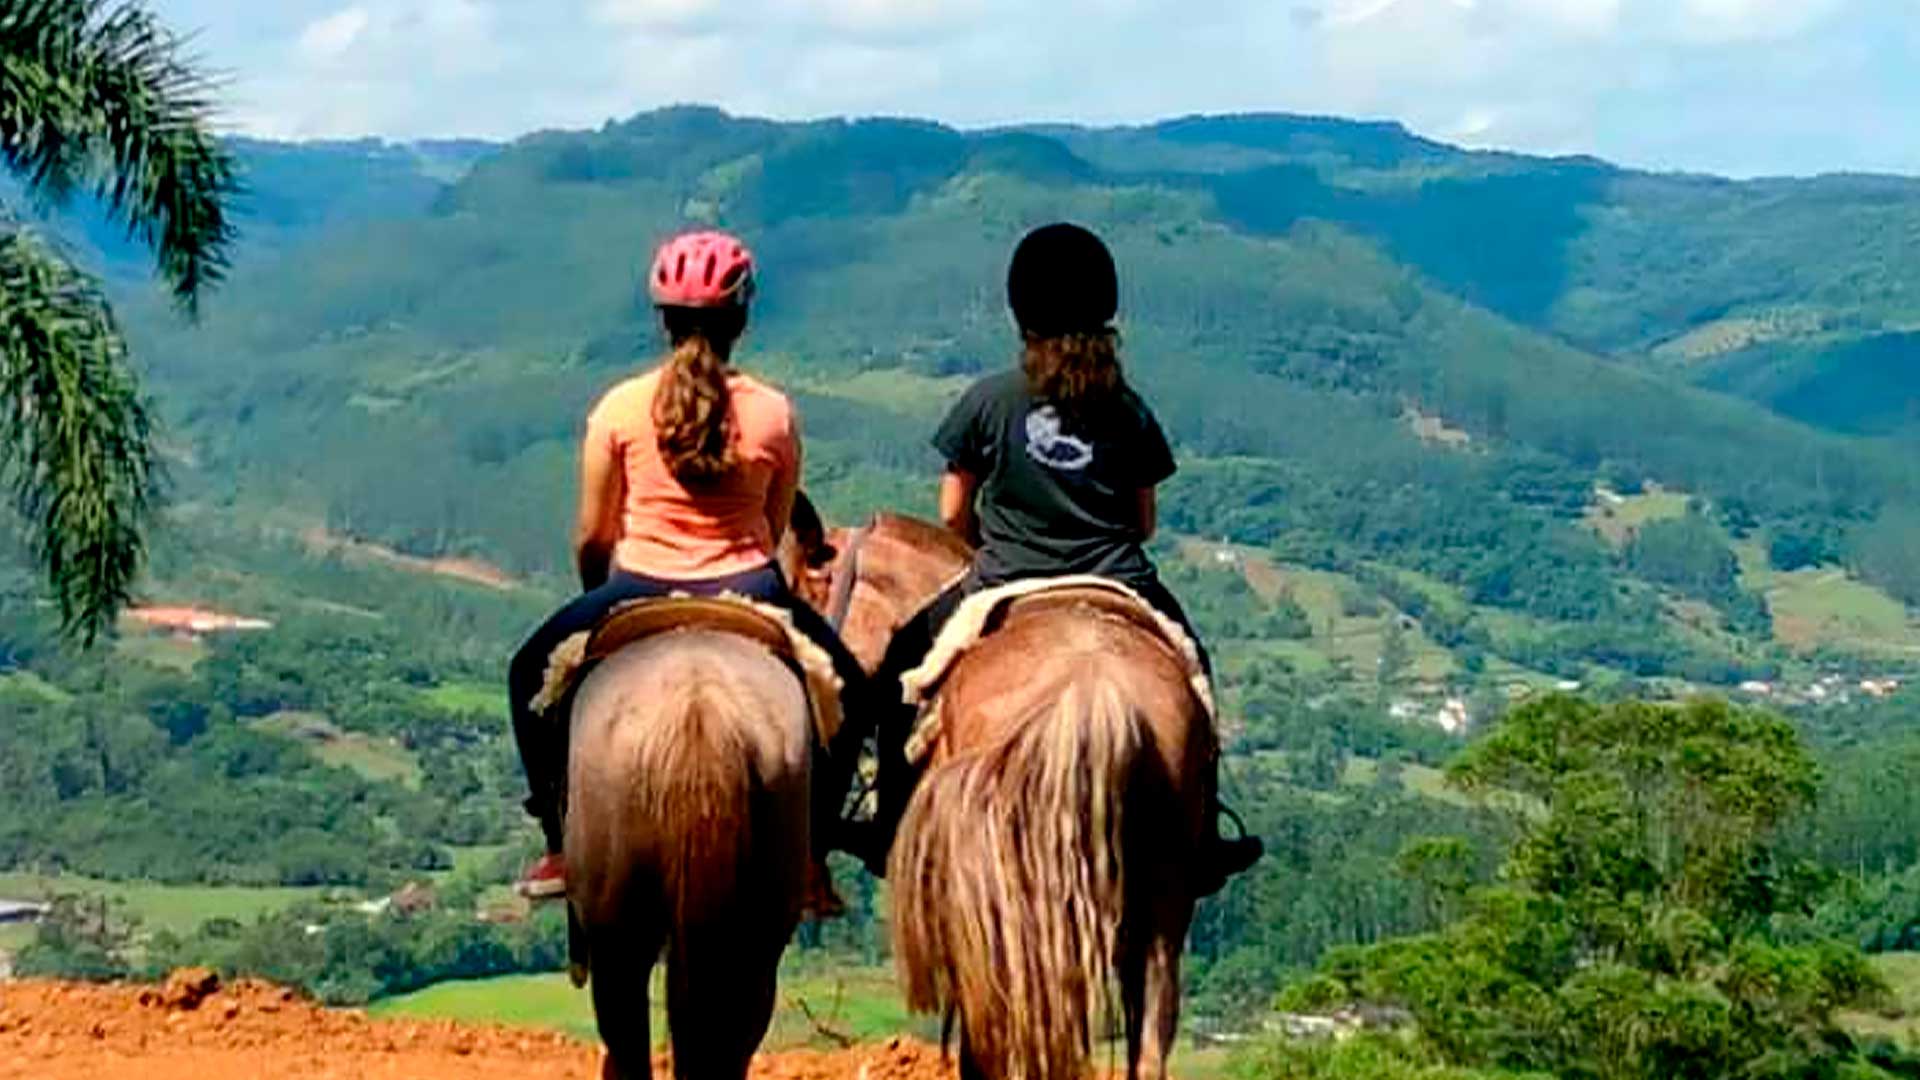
(154, 777)
(1634, 931)
(340, 955)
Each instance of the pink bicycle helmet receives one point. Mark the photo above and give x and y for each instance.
(701, 270)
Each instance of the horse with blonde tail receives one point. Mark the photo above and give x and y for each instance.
(1047, 852)
(687, 833)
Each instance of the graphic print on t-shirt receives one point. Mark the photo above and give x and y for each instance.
(1050, 445)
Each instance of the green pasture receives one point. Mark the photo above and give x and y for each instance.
(179, 908)
(818, 1006)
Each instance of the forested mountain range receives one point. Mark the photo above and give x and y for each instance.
(1381, 357)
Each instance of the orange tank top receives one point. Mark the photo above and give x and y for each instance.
(668, 531)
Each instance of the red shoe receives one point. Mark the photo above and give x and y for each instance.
(544, 880)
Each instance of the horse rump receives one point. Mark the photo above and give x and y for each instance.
(687, 830)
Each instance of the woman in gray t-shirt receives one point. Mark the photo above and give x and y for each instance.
(1052, 468)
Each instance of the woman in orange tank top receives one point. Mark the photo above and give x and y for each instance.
(688, 478)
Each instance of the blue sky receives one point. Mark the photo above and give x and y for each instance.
(1742, 87)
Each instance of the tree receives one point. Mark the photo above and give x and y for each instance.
(81, 937)
(1888, 554)
(1395, 653)
(95, 96)
(1633, 934)
(1687, 553)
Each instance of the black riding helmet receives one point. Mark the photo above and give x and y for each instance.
(1062, 281)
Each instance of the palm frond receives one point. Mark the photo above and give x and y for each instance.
(98, 95)
(75, 435)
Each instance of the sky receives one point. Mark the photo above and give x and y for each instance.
(1737, 87)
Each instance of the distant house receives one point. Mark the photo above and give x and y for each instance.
(23, 911)
(1454, 717)
(194, 622)
(410, 899)
(1340, 1025)
(414, 898)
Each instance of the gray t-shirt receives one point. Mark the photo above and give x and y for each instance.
(1057, 495)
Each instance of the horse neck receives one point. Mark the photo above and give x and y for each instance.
(893, 577)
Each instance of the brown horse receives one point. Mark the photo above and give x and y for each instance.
(688, 823)
(687, 831)
(869, 581)
(1048, 847)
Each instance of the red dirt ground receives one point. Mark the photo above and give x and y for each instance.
(194, 1028)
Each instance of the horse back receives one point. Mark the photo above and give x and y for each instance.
(1050, 642)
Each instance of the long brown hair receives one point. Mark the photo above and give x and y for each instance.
(691, 410)
(1074, 370)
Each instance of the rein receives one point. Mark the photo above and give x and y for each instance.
(840, 602)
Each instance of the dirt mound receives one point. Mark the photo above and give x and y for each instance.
(194, 1027)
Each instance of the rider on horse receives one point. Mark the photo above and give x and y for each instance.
(688, 478)
(1052, 470)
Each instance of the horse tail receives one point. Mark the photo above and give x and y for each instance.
(695, 785)
(1009, 881)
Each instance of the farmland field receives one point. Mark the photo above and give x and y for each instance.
(179, 908)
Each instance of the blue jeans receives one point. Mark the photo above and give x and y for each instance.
(543, 739)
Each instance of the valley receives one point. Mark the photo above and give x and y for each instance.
(1459, 432)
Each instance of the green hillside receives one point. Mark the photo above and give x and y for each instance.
(1289, 304)
(1867, 384)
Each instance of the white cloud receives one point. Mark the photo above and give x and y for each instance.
(1746, 20)
(659, 14)
(328, 38)
(887, 18)
(845, 77)
(1583, 16)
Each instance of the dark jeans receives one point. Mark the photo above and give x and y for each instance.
(543, 738)
(910, 646)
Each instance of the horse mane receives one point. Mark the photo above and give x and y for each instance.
(923, 536)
